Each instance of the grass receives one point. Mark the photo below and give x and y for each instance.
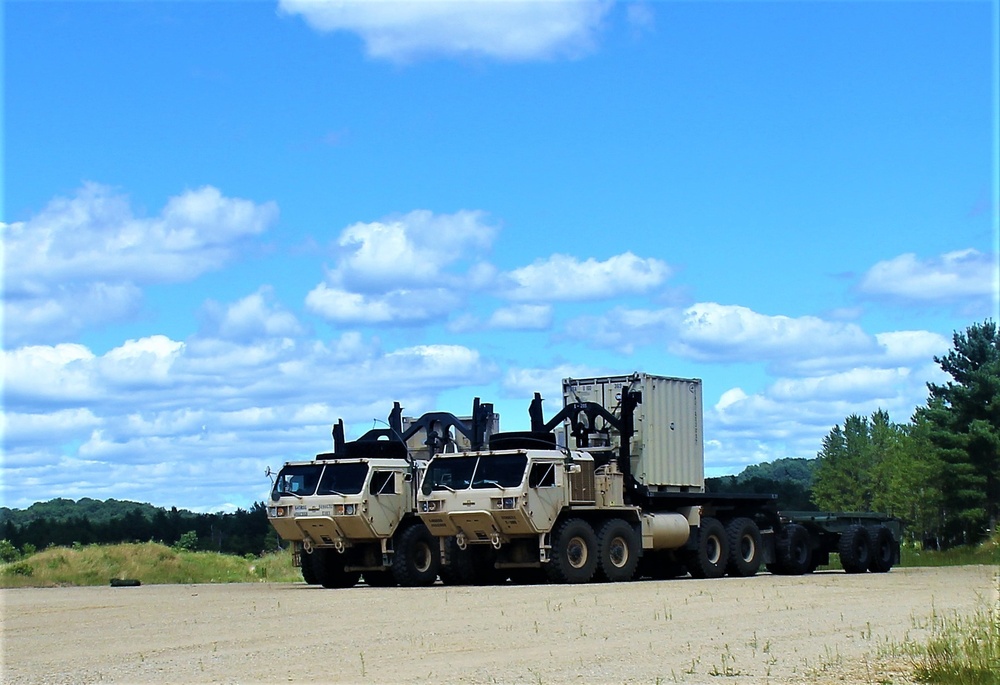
(149, 562)
(962, 650)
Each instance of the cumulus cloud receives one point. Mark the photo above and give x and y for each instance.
(83, 260)
(409, 269)
(156, 415)
(952, 277)
(256, 315)
(522, 317)
(510, 30)
(562, 277)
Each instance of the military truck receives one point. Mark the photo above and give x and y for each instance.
(352, 511)
(612, 488)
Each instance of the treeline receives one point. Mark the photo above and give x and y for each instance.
(939, 473)
(790, 479)
(64, 522)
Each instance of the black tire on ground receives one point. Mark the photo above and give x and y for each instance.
(474, 565)
(855, 549)
(416, 559)
(709, 558)
(618, 549)
(308, 572)
(745, 547)
(793, 551)
(883, 549)
(379, 578)
(574, 552)
(328, 565)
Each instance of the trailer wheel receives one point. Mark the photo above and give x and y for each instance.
(416, 560)
(793, 551)
(574, 552)
(883, 550)
(329, 567)
(379, 578)
(855, 549)
(617, 551)
(745, 545)
(712, 554)
(308, 572)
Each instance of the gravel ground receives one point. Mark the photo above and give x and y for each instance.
(822, 628)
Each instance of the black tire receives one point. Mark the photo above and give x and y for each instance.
(574, 553)
(745, 547)
(416, 560)
(709, 558)
(793, 551)
(618, 550)
(329, 567)
(379, 578)
(308, 572)
(883, 549)
(855, 549)
(459, 569)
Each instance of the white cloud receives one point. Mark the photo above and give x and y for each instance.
(82, 260)
(394, 307)
(951, 277)
(254, 316)
(522, 383)
(515, 30)
(522, 317)
(562, 277)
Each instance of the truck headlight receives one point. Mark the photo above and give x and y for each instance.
(504, 502)
(428, 506)
(350, 509)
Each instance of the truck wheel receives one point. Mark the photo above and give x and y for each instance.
(855, 549)
(618, 548)
(745, 547)
(459, 570)
(379, 578)
(883, 550)
(574, 552)
(416, 560)
(793, 551)
(329, 568)
(712, 554)
(308, 573)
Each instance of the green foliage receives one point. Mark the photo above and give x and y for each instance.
(963, 426)
(8, 552)
(188, 541)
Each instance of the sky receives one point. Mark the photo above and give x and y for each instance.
(226, 225)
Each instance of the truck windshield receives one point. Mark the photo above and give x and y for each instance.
(343, 479)
(461, 473)
(502, 471)
(297, 480)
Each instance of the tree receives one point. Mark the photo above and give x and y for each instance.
(844, 468)
(963, 422)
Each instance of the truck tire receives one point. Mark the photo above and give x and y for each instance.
(574, 552)
(379, 578)
(883, 549)
(793, 551)
(745, 547)
(459, 570)
(329, 567)
(855, 549)
(710, 557)
(308, 572)
(618, 549)
(415, 561)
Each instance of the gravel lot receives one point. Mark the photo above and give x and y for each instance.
(823, 628)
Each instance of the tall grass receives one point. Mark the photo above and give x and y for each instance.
(149, 563)
(963, 650)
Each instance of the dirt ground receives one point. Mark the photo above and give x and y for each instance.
(821, 628)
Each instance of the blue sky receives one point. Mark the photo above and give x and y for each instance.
(226, 225)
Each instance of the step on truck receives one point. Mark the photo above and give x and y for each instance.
(612, 488)
(351, 512)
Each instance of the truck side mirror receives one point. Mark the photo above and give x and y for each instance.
(573, 468)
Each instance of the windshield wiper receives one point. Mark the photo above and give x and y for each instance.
(446, 487)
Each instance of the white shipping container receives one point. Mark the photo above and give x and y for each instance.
(668, 448)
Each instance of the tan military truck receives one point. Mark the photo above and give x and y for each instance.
(612, 487)
(352, 511)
